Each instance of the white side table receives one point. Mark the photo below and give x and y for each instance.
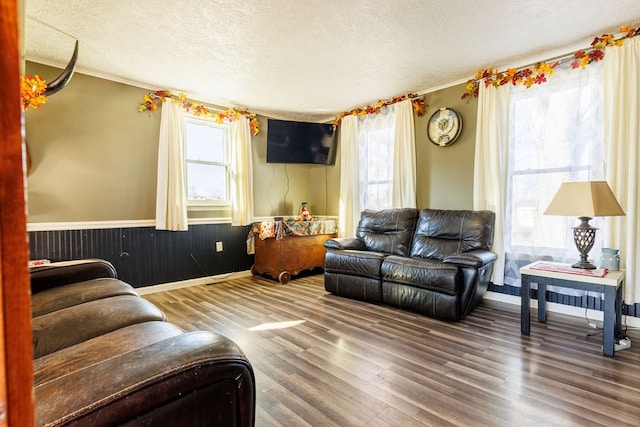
(610, 285)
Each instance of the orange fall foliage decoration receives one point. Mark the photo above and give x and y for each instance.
(151, 101)
(539, 72)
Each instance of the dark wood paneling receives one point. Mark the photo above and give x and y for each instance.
(145, 256)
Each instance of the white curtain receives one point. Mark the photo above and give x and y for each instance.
(404, 158)
(622, 141)
(375, 151)
(171, 194)
(349, 209)
(491, 165)
(241, 173)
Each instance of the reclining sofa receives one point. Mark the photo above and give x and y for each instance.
(104, 356)
(433, 262)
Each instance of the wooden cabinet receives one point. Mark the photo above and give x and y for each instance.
(286, 257)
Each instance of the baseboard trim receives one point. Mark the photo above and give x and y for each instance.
(209, 280)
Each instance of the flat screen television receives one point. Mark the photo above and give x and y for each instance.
(300, 142)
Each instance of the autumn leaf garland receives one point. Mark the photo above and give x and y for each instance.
(417, 102)
(541, 71)
(32, 90)
(152, 100)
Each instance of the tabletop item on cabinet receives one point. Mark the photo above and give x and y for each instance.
(585, 200)
(610, 259)
(304, 213)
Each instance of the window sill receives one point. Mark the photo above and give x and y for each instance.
(194, 208)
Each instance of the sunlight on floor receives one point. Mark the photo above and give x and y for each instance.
(276, 325)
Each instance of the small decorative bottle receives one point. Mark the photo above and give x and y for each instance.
(304, 213)
(610, 259)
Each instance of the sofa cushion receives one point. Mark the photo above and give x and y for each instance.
(422, 273)
(192, 379)
(100, 348)
(355, 287)
(354, 263)
(387, 230)
(72, 325)
(65, 272)
(55, 299)
(440, 233)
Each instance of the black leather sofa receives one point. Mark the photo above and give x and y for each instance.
(434, 262)
(104, 356)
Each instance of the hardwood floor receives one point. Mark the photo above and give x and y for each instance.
(343, 362)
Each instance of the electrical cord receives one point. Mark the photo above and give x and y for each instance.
(286, 211)
(326, 190)
(621, 336)
(215, 279)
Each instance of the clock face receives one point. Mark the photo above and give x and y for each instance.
(444, 127)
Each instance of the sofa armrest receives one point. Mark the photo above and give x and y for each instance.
(56, 274)
(473, 259)
(197, 378)
(345, 243)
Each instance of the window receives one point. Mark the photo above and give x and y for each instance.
(375, 135)
(556, 135)
(207, 158)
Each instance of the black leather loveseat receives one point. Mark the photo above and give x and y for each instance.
(434, 262)
(104, 356)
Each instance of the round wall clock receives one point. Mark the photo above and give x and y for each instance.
(444, 127)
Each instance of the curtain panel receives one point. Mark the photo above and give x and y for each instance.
(241, 173)
(622, 140)
(349, 207)
(404, 157)
(171, 194)
(491, 165)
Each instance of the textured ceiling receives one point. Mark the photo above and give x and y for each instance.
(309, 59)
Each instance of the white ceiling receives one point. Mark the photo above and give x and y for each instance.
(309, 59)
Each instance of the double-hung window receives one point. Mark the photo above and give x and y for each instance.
(207, 162)
(375, 141)
(556, 135)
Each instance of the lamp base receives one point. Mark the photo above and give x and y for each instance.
(586, 265)
(584, 236)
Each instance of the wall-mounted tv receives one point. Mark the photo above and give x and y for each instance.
(300, 142)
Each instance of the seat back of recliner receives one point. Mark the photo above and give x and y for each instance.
(388, 230)
(440, 233)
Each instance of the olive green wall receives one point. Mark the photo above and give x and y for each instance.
(94, 159)
(445, 174)
(94, 155)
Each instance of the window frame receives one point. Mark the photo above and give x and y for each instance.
(195, 205)
(571, 169)
(385, 125)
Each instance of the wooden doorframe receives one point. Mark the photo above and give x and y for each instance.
(16, 352)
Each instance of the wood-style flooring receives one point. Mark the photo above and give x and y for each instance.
(322, 360)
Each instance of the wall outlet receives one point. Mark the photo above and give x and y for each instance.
(218, 246)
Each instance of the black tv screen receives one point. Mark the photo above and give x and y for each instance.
(300, 142)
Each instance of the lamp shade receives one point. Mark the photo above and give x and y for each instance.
(584, 199)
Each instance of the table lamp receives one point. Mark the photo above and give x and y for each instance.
(585, 199)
